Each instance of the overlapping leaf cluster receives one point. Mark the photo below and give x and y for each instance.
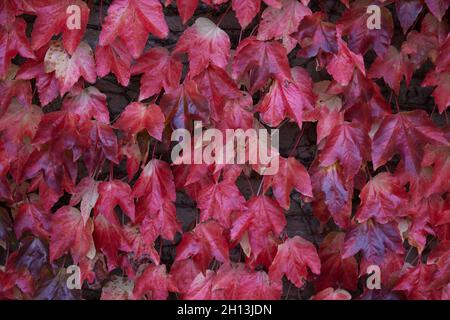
(378, 185)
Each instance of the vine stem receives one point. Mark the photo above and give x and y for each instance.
(299, 138)
(147, 150)
(223, 15)
(260, 185)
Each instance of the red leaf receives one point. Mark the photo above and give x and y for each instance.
(405, 133)
(160, 69)
(32, 217)
(69, 232)
(162, 222)
(155, 185)
(46, 83)
(44, 28)
(85, 192)
(315, 35)
(185, 104)
(186, 9)
(141, 244)
(13, 41)
(293, 99)
(392, 67)
(155, 283)
(441, 93)
(293, 258)
(335, 270)
(349, 144)
(332, 195)
(109, 239)
(259, 61)
(218, 200)
(407, 12)
(137, 117)
(68, 69)
(361, 38)
(344, 64)
(111, 194)
(291, 174)
(280, 23)
(203, 243)
(246, 10)
(439, 157)
(88, 103)
(438, 7)
(101, 143)
(114, 58)
(205, 43)
(215, 84)
(383, 199)
(374, 240)
(131, 21)
(262, 217)
(183, 272)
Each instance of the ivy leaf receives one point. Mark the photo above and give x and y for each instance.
(382, 199)
(335, 270)
(405, 133)
(293, 258)
(374, 240)
(155, 283)
(438, 7)
(87, 103)
(137, 117)
(246, 10)
(218, 201)
(183, 105)
(111, 194)
(114, 58)
(205, 43)
(132, 21)
(44, 29)
(294, 99)
(13, 41)
(263, 217)
(407, 12)
(316, 35)
(160, 70)
(155, 185)
(85, 192)
(361, 38)
(280, 23)
(349, 144)
(392, 67)
(203, 243)
(32, 217)
(260, 61)
(69, 232)
(68, 69)
(291, 174)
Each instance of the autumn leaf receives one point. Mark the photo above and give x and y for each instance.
(293, 258)
(260, 61)
(160, 71)
(205, 43)
(132, 21)
(68, 69)
(405, 133)
(291, 174)
(70, 233)
(137, 117)
(374, 240)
